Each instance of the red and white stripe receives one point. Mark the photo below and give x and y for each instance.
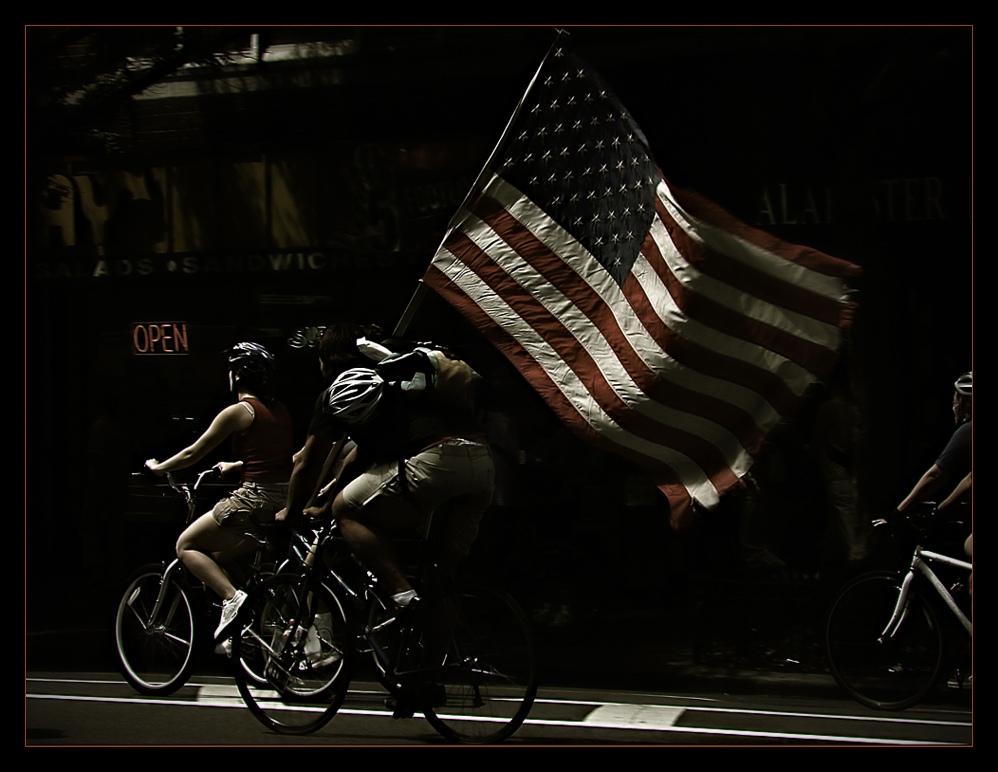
(686, 366)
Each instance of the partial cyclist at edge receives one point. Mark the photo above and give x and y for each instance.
(414, 452)
(263, 444)
(955, 464)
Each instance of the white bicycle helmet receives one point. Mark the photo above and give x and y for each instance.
(354, 395)
(965, 384)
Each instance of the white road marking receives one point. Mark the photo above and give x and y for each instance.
(623, 716)
(604, 715)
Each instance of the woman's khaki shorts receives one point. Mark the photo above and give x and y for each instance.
(249, 505)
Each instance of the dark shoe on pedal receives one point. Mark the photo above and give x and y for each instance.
(401, 708)
(399, 616)
(417, 698)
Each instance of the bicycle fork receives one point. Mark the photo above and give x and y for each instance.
(900, 612)
(166, 582)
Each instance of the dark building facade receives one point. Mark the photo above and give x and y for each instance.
(309, 176)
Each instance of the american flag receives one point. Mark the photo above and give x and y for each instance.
(653, 323)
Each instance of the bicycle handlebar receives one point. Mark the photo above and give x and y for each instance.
(183, 488)
(922, 519)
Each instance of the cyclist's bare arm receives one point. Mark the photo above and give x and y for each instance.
(232, 419)
(305, 476)
(929, 483)
(959, 492)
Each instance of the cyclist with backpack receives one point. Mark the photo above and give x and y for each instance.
(418, 446)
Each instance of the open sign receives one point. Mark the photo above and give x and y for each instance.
(160, 338)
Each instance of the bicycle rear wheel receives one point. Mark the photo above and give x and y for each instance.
(296, 638)
(488, 679)
(155, 653)
(886, 673)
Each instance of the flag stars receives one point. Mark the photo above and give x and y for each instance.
(577, 158)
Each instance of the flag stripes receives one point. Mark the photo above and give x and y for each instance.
(682, 348)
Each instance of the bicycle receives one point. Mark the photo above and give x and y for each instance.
(465, 658)
(160, 622)
(883, 638)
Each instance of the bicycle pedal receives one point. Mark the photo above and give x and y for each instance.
(398, 617)
(400, 709)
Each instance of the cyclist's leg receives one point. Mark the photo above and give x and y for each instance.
(211, 545)
(235, 562)
(196, 545)
(459, 530)
(378, 504)
(367, 530)
(968, 547)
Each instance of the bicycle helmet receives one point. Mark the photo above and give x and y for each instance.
(965, 384)
(354, 395)
(251, 358)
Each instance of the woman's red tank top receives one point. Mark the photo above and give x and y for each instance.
(266, 447)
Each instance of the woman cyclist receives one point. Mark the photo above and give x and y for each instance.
(262, 441)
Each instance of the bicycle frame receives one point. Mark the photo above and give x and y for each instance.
(189, 493)
(358, 597)
(164, 585)
(920, 563)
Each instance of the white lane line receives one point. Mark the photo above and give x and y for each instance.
(833, 716)
(604, 715)
(625, 716)
(228, 703)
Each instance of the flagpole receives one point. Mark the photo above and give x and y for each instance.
(417, 297)
(410, 310)
(561, 35)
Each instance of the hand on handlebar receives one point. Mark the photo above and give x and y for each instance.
(320, 512)
(149, 464)
(225, 467)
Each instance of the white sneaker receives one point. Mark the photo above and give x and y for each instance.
(230, 608)
(319, 649)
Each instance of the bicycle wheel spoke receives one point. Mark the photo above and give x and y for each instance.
(888, 672)
(294, 675)
(156, 654)
(486, 684)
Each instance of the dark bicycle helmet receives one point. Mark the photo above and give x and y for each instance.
(965, 384)
(251, 358)
(354, 395)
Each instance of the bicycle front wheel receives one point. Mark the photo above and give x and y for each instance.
(886, 672)
(155, 643)
(295, 637)
(487, 681)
